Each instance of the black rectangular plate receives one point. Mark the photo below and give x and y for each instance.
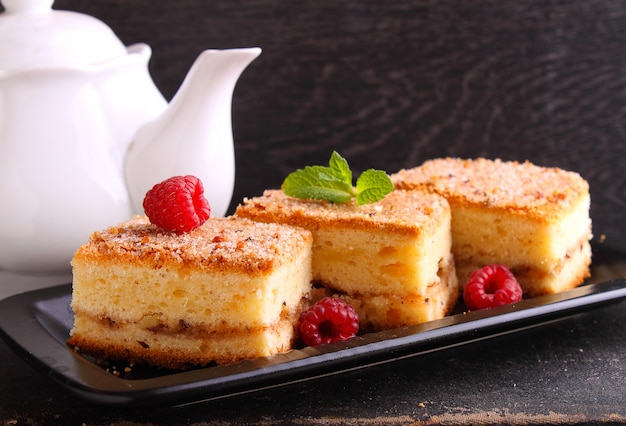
(36, 326)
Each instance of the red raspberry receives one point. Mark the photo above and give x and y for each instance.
(492, 285)
(177, 204)
(329, 320)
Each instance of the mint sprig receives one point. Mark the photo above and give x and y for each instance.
(334, 183)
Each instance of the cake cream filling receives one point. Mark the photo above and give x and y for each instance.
(183, 330)
(379, 311)
(155, 323)
(131, 343)
(536, 279)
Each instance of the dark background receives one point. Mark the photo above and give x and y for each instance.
(391, 84)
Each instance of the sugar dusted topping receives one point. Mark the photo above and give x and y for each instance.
(400, 211)
(219, 244)
(497, 184)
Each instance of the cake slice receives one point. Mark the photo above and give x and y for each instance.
(391, 260)
(534, 220)
(229, 290)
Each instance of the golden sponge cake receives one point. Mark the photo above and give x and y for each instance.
(229, 290)
(391, 260)
(535, 220)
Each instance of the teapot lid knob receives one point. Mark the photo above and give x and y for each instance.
(27, 6)
(33, 35)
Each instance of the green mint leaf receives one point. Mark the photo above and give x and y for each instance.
(372, 185)
(334, 183)
(340, 167)
(317, 183)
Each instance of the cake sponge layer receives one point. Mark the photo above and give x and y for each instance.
(533, 219)
(386, 311)
(228, 274)
(394, 248)
(230, 277)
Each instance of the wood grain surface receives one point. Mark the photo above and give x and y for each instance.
(391, 84)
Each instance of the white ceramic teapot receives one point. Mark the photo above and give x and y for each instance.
(84, 132)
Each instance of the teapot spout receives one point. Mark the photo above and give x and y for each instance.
(194, 134)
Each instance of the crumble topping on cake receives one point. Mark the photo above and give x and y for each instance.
(409, 212)
(522, 188)
(246, 245)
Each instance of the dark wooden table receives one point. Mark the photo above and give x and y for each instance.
(389, 85)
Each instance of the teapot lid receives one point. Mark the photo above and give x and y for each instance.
(33, 35)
